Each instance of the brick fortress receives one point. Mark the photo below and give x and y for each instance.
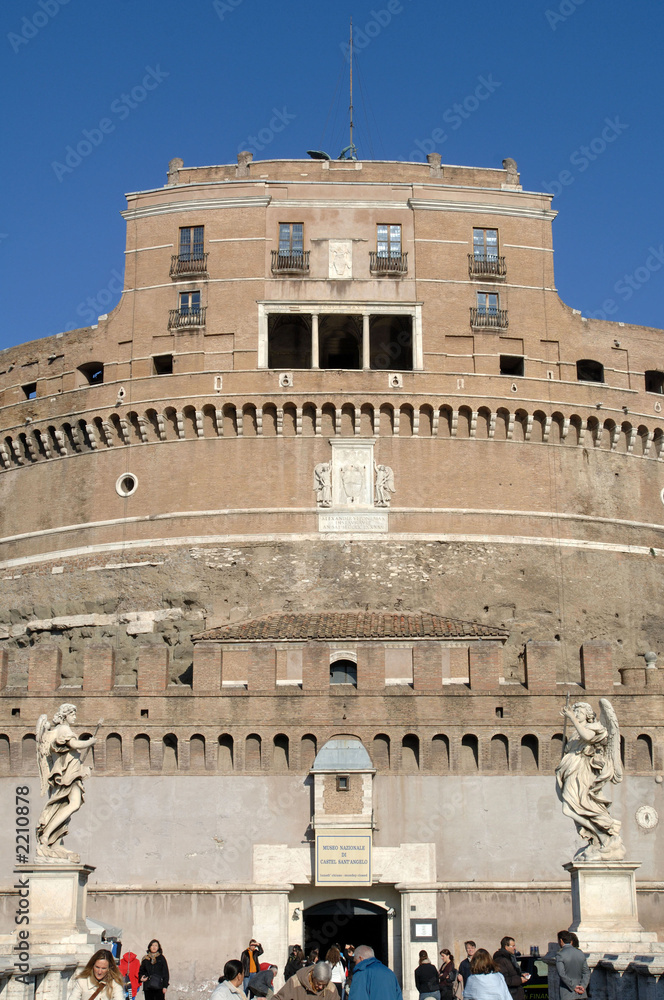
(340, 491)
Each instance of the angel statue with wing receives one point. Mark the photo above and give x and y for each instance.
(591, 759)
(61, 773)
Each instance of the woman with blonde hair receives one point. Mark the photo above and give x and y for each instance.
(485, 982)
(100, 978)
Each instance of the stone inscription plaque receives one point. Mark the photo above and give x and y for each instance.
(343, 857)
(342, 521)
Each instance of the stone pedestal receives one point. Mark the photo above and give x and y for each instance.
(58, 906)
(604, 909)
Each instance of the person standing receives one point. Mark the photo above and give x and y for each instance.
(153, 973)
(464, 964)
(230, 983)
(295, 962)
(371, 979)
(572, 968)
(447, 975)
(249, 959)
(485, 982)
(426, 978)
(505, 959)
(100, 978)
(333, 957)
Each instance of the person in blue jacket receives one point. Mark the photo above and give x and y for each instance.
(371, 979)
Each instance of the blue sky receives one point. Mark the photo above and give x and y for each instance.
(570, 88)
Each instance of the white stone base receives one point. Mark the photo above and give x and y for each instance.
(604, 909)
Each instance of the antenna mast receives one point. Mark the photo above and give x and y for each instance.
(351, 147)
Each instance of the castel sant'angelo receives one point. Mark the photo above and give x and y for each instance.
(326, 519)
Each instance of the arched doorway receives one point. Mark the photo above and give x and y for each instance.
(346, 921)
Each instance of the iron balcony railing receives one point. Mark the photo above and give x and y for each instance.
(178, 318)
(187, 264)
(494, 318)
(388, 263)
(290, 263)
(487, 266)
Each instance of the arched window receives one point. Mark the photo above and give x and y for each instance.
(280, 752)
(308, 747)
(113, 752)
(343, 672)
(225, 753)
(170, 761)
(440, 754)
(499, 753)
(197, 753)
(141, 753)
(529, 753)
(469, 757)
(643, 753)
(410, 753)
(252, 752)
(381, 752)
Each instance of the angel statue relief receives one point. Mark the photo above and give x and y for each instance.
(384, 485)
(61, 773)
(591, 759)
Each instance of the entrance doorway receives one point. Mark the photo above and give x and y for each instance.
(345, 921)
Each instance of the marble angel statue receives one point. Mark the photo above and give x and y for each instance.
(62, 773)
(591, 760)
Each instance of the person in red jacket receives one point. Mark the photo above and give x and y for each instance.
(129, 966)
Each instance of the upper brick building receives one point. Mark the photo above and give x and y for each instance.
(340, 466)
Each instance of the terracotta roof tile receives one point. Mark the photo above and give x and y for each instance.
(350, 625)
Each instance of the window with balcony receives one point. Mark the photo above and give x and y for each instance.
(291, 257)
(487, 311)
(189, 313)
(655, 382)
(191, 258)
(388, 258)
(485, 259)
(589, 371)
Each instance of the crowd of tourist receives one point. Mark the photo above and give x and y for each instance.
(346, 973)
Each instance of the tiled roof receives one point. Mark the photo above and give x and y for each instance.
(350, 625)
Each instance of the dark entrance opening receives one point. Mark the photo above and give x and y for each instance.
(345, 921)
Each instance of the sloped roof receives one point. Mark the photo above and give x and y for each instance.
(350, 625)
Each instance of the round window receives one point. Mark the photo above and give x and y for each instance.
(126, 484)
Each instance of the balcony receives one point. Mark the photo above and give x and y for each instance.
(290, 263)
(388, 264)
(483, 266)
(181, 318)
(495, 319)
(189, 266)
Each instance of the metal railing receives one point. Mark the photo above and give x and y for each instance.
(178, 318)
(494, 318)
(486, 265)
(188, 264)
(381, 263)
(290, 263)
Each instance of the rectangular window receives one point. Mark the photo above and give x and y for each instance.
(163, 364)
(388, 241)
(191, 243)
(485, 244)
(190, 303)
(511, 364)
(487, 303)
(291, 239)
(30, 390)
